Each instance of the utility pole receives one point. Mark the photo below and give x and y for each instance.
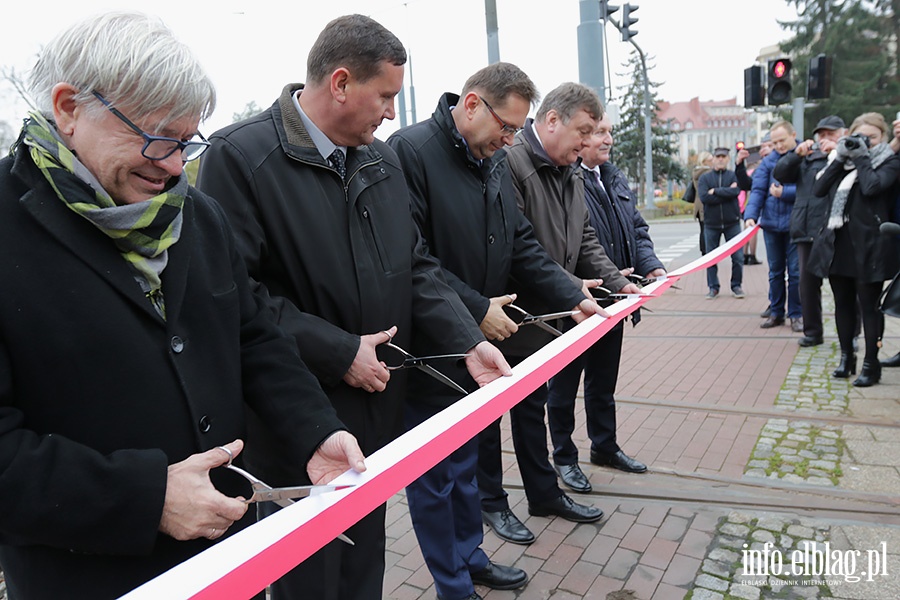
(493, 35)
(590, 47)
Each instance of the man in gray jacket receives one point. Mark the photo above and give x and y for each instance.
(550, 192)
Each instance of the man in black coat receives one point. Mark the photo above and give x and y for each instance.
(132, 342)
(810, 213)
(321, 212)
(465, 206)
(718, 190)
(625, 236)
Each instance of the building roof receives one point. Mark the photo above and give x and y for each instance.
(695, 114)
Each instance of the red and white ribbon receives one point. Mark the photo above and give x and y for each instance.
(245, 563)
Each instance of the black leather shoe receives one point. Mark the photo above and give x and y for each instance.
(807, 341)
(618, 460)
(893, 361)
(507, 526)
(474, 596)
(846, 367)
(499, 577)
(772, 322)
(869, 375)
(797, 325)
(752, 260)
(568, 509)
(766, 313)
(574, 477)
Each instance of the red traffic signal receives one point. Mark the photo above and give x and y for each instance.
(779, 81)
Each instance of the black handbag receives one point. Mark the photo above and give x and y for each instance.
(890, 298)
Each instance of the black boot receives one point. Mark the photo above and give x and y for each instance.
(846, 367)
(869, 375)
(893, 361)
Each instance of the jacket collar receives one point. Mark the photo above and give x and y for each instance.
(295, 140)
(443, 117)
(538, 155)
(96, 250)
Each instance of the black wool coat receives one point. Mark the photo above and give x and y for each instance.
(98, 394)
(338, 261)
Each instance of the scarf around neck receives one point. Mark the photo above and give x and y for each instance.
(142, 232)
(838, 216)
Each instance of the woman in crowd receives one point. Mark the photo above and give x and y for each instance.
(860, 182)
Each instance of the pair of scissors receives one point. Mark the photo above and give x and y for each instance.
(643, 281)
(263, 492)
(523, 317)
(401, 359)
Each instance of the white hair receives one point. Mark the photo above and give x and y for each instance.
(132, 60)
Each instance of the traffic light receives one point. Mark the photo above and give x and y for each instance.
(754, 93)
(818, 85)
(779, 81)
(628, 21)
(606, 10)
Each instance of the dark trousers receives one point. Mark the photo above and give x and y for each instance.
(600, 364)
(713, 236)
(847, 291)
(702, 238)
(446, 515)
(529, 435)
(810, 294)
(781, 254)
(338, 571)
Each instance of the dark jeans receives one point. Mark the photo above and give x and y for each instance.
(810, 294)
(713, 236)
(702, 238)
(529, 435)
(781, 253)
(446, 514)
(600, 364)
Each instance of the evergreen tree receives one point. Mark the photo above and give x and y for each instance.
(861, 37)
(629, 145)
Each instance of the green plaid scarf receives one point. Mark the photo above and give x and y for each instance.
(142, 231)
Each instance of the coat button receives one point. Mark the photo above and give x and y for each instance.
(491, 239)
(177, 344)
(204, 425)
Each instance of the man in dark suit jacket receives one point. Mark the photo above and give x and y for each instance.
(465, 206)
(625, 236)
(132, 343)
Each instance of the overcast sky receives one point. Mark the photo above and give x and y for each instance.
(251, 49)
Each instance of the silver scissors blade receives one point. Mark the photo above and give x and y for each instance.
(550, 316)
(548, 328)
(625, 296)
(258, 486)
(442, 378)
(267, 494)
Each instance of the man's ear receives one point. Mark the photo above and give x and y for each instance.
(470, 103)
(340, 80)
(65, 107)
(551, 120)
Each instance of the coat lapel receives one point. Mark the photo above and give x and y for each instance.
(85, 241)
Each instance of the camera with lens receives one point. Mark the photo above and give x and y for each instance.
(855, 141)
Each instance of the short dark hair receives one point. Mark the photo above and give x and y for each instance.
(499, 80)
(356, 42)
(568, 99)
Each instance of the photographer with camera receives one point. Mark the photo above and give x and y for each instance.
(860, 182)
(800, 166)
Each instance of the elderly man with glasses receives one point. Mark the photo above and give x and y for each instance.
(132, 343)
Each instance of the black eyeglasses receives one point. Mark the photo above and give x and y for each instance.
(157, 147)
(505, 127)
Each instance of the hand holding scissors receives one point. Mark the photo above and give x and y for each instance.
(262, 492)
